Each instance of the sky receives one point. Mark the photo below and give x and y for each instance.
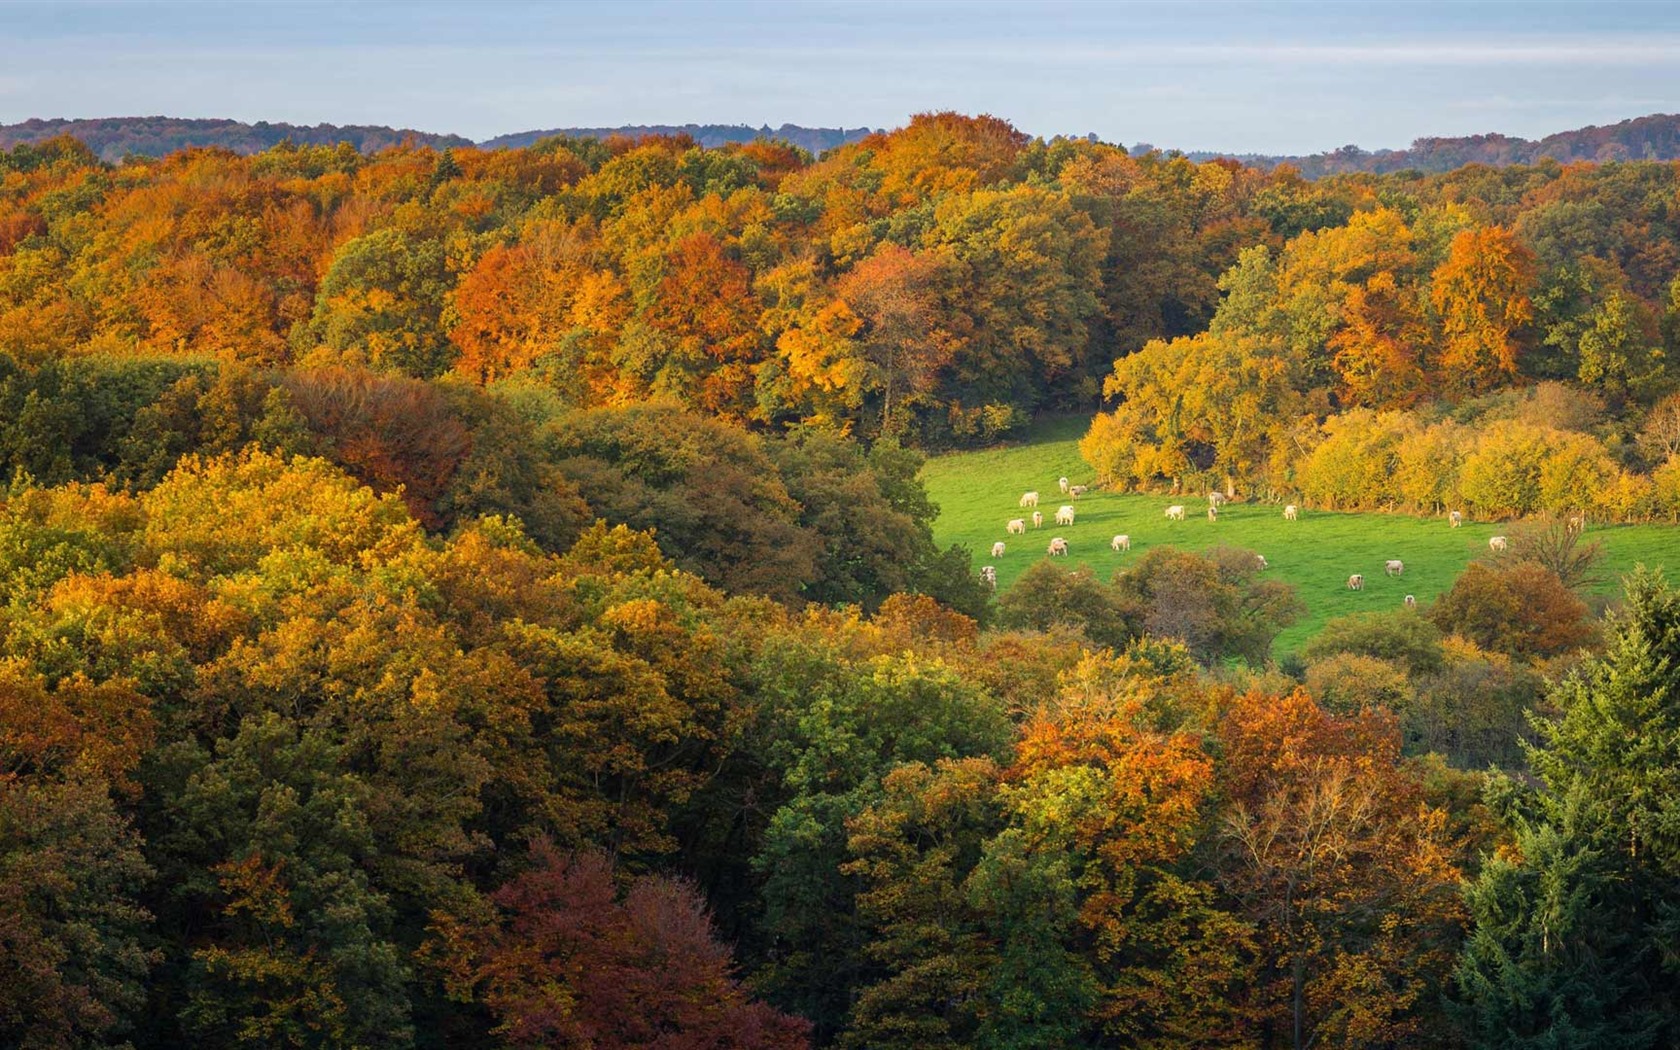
(1240, 77)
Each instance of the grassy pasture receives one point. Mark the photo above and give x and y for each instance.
(978, 492)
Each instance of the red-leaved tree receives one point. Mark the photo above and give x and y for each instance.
(571, 962)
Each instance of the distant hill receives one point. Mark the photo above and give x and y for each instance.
(1656, 137)
(815, 140)
(113, 138)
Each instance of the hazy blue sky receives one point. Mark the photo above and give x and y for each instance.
(1270, 77)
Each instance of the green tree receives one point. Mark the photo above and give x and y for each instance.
(1575, 929)
(913, 851)
(835, 729)
(1047, 597)
(269, 839)
(381, 304)
(710, 493)
(74, 965)
(1404, 637)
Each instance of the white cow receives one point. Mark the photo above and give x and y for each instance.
(1260, 560)
(1498, 544)
(988, 576)
(1058, 546)
(1411, 601)
(1016, 527)
(1175, 512)
(1078, 490)
(1291, 512)
(1063, 482)
(1356, 582)
(1394, 567)
(997, 549)
(1038, 520)
(1215, 498)
(1029, 499)
(1064, 515)
(1454, 518)
(1121, 542)
(1213, 513)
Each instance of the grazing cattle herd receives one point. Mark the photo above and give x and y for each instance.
(1122, 542)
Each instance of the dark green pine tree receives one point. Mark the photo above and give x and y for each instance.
(1575, 941)
(446, 168)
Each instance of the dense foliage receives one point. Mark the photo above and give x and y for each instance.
(1500, 342)
(280, 767)
(445, 601)
(941, 283)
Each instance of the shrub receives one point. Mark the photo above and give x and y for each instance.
(1501, 478)
(1523, 610)
(1213, 603)
(1048, 596)
(1348, 683)
(1403, 638)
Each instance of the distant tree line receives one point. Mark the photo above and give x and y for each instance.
(113, 138)
(1655, 137)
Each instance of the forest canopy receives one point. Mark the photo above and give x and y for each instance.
(486, 598)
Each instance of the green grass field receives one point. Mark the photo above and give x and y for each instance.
(977, 492)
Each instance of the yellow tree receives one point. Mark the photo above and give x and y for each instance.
(1481, 294)
(1210, 401)
(1318, 269)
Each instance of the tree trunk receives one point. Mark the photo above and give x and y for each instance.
(886, 404)
(1298, 994)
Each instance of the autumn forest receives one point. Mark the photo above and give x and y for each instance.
(487, 598)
